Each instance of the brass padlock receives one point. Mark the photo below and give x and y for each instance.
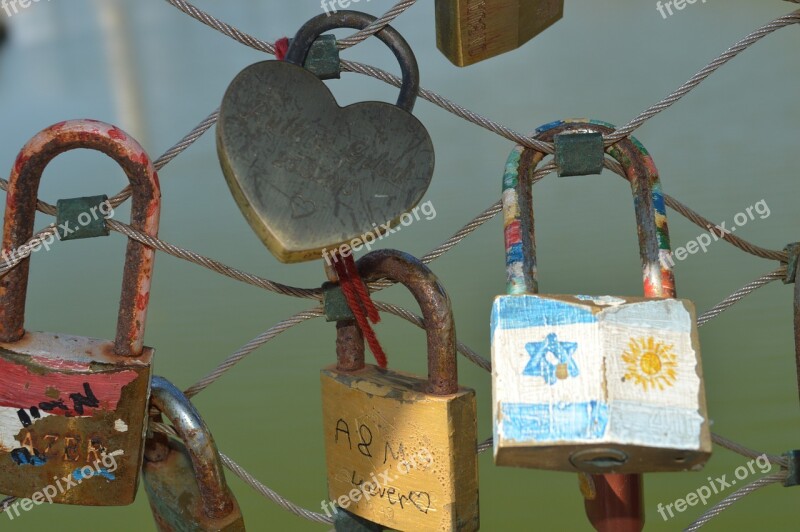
(68, 404)
(401, 450)
(469, 31)
(598, 384)
(184, 481)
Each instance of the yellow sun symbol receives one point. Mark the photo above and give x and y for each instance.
(650, 363)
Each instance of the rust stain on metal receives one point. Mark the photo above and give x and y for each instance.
(21, 210)
(436, 311)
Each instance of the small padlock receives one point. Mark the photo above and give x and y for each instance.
(309, 175)
(469, 31)
(595, 384)
(69, 403)
(185, 481)
(402, 450)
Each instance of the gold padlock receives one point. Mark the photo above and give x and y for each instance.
(469, 31)
(401, 450)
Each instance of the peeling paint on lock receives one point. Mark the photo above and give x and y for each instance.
(66, 401)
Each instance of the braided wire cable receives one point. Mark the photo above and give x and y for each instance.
(746, 451)
(240, 354)
(702, 75)
(398, 9)
(740, 294)
(179, 147)
(250, 480)
(461, 347)
(213, 265)
(736, 496)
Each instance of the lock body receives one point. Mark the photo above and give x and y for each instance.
(598, 384)
(175, 498)
(393, 454)
(469, 31)
(71, 409)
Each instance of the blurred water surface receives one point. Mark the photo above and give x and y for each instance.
(156, 73)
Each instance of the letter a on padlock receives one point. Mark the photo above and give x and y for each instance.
(595, 384)
(71, 405)
(185, 481)
(401, 450)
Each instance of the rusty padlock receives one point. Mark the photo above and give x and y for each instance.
(597, 384)
(401, 450)
(67, 402)
(185, 481)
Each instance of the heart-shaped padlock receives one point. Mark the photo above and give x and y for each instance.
(310, 175)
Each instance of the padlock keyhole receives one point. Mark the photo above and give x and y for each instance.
(598, 460)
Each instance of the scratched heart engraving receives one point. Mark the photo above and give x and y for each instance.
(310, 175)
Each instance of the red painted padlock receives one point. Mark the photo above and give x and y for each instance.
(73, 409)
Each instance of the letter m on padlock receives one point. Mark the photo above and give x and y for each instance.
(72, 409)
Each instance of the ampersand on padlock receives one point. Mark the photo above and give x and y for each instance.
(309, 175)
(595, 384)
(401, 450)
(69, 403)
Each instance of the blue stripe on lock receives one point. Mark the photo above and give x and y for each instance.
(554, 422)
(519, 312)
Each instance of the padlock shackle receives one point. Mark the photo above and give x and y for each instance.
(23, 188)
(651, 216)
(437, 311)
(311, 30)
(193, 431)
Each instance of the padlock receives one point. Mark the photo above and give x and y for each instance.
(309, 175)
(72, 406)
(185, 481)
(469, 31)
(401, 450)
(595, 384)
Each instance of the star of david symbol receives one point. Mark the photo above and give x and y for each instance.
(552, 368)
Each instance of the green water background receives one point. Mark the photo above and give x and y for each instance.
(156, 73)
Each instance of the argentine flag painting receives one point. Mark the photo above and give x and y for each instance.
(579, 372)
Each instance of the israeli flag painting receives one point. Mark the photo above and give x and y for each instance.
(544, 389)
(577, 371)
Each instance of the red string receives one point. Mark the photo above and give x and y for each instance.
(281, 47)
(361, 290)
(352, 287)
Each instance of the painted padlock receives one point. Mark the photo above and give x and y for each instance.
(469, 31)
(185, 481)
(595, 384)
(70, 406)
(309, 175)
(401, 450)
